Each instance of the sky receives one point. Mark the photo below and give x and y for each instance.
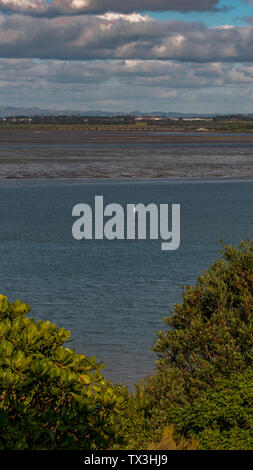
(125, 55)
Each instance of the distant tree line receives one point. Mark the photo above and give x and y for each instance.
(188, 123)
(71, 120)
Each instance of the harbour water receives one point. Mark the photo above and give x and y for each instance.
(112, 295)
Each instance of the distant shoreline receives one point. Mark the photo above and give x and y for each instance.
(113, 180)
(76, 136)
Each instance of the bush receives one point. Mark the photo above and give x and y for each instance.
(221, 418)
(209, 338)
(132, 419)
(50, 397)
(170, 442)
(210, 333)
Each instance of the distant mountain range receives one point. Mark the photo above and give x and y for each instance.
(6, 111)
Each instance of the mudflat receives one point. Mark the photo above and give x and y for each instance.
(72, 153)
(77, 137)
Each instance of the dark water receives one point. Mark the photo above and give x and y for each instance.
(112, 295)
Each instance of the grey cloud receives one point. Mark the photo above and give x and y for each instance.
(88, 38)
(123, 85)
(135, 73)
(76, 7)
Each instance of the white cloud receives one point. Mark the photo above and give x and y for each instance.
(116, 36)
(132, 18)
(126, 85)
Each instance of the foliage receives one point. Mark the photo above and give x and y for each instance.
(210, 333)
(134, 424)
(50, 397)
(170, 442)
(201, 396)
(132, 419)
(221, 418)
(209, 338)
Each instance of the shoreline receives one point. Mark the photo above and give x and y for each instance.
(138, 179)
(8, 136)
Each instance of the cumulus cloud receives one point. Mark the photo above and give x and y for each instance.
(136, 73)
(106, 54)
(122, 37)
(123, 85)
(75, 7)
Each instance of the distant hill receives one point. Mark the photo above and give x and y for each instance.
(6, 111)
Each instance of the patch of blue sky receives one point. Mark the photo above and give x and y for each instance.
(235, 15)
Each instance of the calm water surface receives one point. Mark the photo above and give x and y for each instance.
(112, 295)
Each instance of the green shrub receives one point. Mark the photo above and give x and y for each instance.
(210, 333)
(132, 419)
(170, 442)
(209, 338)
(221, 418)
(50, 397)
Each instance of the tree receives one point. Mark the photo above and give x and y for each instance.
(211, 332)
(50, 396)
(222, 417)
(209, 335)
